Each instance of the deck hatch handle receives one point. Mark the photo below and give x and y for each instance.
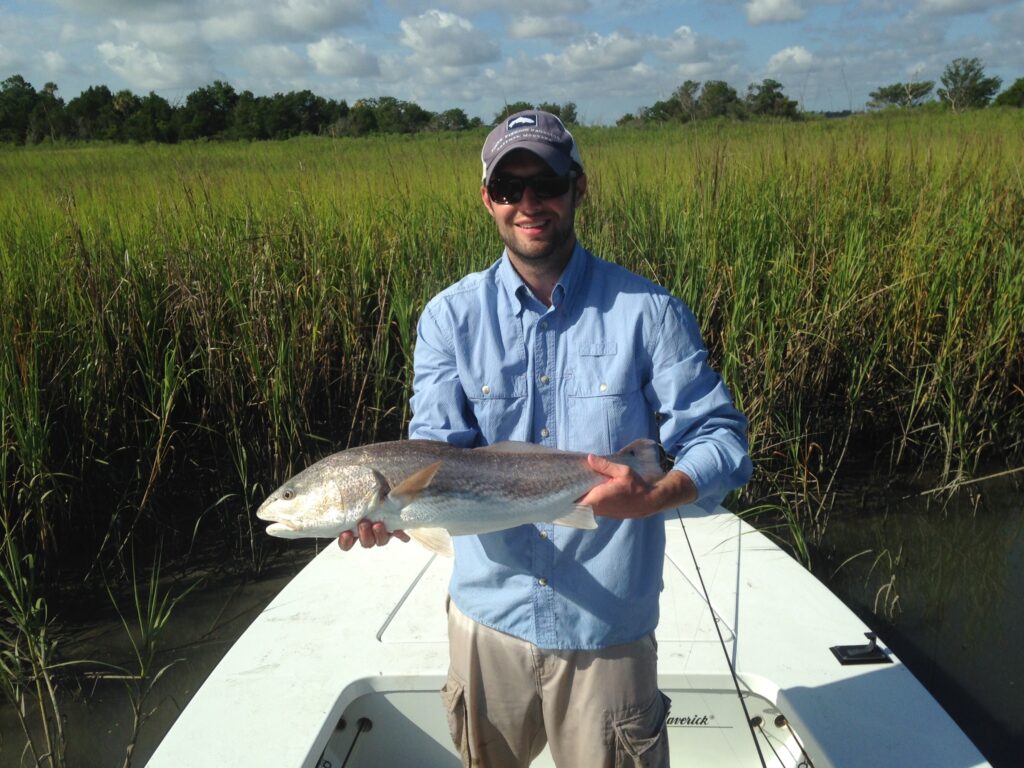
(868, 653)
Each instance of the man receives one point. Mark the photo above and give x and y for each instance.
(551, 628)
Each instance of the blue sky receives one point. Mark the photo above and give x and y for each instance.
(610, 58)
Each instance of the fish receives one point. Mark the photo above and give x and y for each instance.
(434, 490)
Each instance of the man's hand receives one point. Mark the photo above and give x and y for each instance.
(370, 535)
(626, 495)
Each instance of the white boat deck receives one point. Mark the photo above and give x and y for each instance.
(360, 637)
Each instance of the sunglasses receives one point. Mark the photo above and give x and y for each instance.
(507, 190)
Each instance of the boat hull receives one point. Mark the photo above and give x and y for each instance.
(362, 637)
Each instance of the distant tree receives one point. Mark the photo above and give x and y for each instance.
(565, 112)
(125, 105)
(965, 85)
(450, 120)
(208, 111)
(151, 120)
(392, 115)
(92, 114)
(718, 98)
(688, 99)
(768, 100)
(303, 112)
(1012, 96)
(661, 112)
(511, 109)
(48, 119)
(901, 95)
(17, 100)
(360, 120)
(247, 118)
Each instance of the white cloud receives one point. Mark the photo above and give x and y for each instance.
(243, 24)
(791, 60)
(684, 45)
(146, 69)
(769, 11)
(178, 36)
(440, 39)
(312, 16)
(528, 7)
(597, 53)
(538, 27)
(957, 7)
(138, 8)
(341, 57)
(273, 61)
(8, 58)
(54, 63)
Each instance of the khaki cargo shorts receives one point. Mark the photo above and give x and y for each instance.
(506, 699)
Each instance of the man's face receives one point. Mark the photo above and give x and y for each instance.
(535, 230)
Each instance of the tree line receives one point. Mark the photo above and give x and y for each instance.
(964, 86)
(217, 111)
(716, 98)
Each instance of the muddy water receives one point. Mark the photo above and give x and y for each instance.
(941, 582)
(95, 699)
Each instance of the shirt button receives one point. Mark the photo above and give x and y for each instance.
(542, 582)
(544, 324)
(485, 389)
(543, 534)
(545, 433)
(603, 387)
(544, 379)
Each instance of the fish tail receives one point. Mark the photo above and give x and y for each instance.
(642, 456)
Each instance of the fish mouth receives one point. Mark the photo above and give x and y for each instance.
(266, 512)
(281, 525)
(285, 530)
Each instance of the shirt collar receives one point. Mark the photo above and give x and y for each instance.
(567, 286)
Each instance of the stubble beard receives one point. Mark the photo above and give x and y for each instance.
(555, 252)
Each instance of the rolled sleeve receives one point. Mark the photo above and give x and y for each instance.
(699, 425)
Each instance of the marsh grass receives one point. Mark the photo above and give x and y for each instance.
(151, 609)
(185, 326)
(28, 663)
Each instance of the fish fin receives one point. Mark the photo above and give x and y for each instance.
(516, 446)
(382, 488)
(406, 491)
(642, 456)
(580, 517)
(435, 539)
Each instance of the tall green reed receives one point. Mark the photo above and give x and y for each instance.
(192, 324)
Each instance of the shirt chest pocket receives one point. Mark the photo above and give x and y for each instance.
(498, 404)
(607, 398)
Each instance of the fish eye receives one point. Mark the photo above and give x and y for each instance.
(288, 495)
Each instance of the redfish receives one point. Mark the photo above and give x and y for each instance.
(423, 485)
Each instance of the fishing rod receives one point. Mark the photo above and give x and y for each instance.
(721, 641)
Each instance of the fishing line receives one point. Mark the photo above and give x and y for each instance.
(759, 724)
(782, 721)
(721, 642)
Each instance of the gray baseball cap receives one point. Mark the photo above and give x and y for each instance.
(539, 132)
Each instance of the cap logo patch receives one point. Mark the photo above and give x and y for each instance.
(521, 122)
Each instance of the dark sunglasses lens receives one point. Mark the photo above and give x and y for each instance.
(506, 191)
(550, 186)
(510, 190)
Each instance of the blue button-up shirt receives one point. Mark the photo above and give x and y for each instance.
(614, 358)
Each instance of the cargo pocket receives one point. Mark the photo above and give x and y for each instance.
(453, 695)
(641, 738)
